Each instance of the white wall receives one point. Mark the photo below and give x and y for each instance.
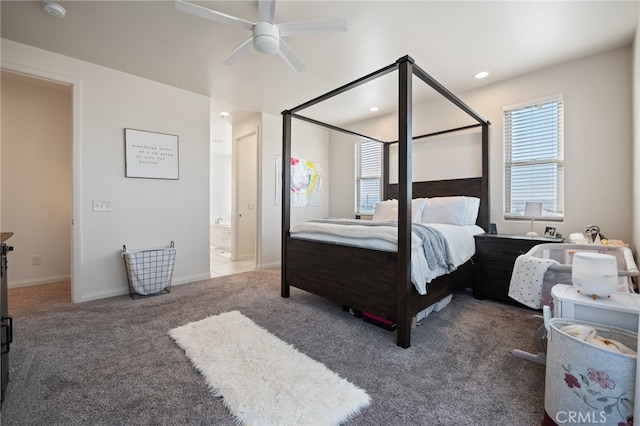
(636, 141)
(341, 169)
(271, 214)
(145, 212)
(36, 177)
(220, 209)
(311, 143)
(598, 141)
(221, 170)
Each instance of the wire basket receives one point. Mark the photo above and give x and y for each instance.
(149, 272)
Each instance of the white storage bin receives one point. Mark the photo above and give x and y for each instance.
(585, 383)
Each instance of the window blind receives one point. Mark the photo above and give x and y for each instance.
(368, 176)
(534, 158)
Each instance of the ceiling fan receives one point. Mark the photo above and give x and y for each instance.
(267, 35)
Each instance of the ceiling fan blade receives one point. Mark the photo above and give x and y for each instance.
(289, 57)
(267, 11)
(293, 28)
(203, 12)
(233, 57)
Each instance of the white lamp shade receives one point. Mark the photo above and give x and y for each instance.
(532, 209)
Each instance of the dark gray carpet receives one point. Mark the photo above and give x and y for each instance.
(111, 362)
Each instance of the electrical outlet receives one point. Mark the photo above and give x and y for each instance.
(101, 206)
(35, 260)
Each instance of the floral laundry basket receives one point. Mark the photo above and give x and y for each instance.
(585, 383)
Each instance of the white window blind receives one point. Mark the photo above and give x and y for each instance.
(534, 157)
(368, 176)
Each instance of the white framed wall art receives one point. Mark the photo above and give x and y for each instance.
(151, 155)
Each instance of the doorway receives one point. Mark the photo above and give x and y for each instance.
(36, 173)
(223, 205)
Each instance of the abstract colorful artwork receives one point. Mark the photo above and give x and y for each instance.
(305, 183)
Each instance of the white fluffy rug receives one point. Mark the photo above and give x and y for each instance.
(263, 380)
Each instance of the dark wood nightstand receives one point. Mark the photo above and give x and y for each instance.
(494, 260)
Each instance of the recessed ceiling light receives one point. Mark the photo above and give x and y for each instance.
(481, 74)
(224, 114)
(373, 109)
(53, 9)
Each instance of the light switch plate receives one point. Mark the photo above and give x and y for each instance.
(101, 206)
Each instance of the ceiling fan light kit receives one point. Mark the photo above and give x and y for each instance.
(267, 35)
(266, 38)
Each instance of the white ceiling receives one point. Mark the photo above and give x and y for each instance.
(450, 40)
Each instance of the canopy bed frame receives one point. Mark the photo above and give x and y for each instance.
(373, 281)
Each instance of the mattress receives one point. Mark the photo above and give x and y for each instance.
(383, 236)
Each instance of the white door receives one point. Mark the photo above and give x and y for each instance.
(246, 197)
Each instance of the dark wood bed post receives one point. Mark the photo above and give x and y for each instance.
(385, 170)
(286, 194)
(405, 180)
(485, 208)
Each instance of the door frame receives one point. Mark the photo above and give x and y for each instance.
(76, 178)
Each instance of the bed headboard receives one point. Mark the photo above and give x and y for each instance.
(470, 187)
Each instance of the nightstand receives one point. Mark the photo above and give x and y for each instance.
(494, 260)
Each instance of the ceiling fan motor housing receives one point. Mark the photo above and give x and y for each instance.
(266, 38)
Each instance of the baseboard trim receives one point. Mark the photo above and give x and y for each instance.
(103, 295)
(190, 279)
(271, 265)
(38, 281)
(123, 291)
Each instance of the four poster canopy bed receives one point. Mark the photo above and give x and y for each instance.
(378, 280)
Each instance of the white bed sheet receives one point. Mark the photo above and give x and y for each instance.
(385, 238)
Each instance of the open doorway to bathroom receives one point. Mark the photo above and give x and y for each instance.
(221, 196)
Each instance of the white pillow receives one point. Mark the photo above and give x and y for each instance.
(388, 210)
(417, 208)
(384, 211)
(458, 210)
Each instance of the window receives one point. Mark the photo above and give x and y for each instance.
(368, 176)
(534, 158)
